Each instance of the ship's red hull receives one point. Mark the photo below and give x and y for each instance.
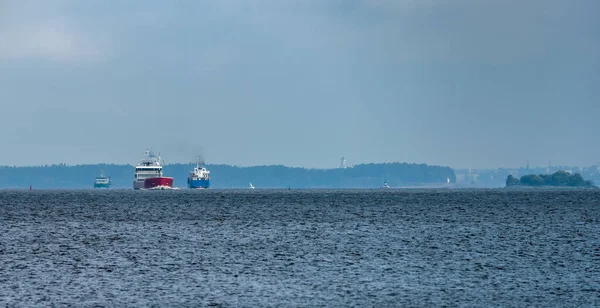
(158, 182)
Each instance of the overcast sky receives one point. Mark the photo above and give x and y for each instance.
(461, 83)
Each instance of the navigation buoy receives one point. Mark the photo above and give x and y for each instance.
(30, 187)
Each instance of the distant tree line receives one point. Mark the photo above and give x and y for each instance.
(559, 178)
(227, 176)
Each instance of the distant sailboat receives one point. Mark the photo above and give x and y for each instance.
(251, 186)
(447, 180)
(385, 185)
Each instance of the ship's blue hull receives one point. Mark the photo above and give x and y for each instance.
(198, 183)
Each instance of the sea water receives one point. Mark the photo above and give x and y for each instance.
(300, 248)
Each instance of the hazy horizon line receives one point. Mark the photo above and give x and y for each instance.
(293, 166)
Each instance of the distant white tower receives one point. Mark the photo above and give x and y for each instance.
(343, 163)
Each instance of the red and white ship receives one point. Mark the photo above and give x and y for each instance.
(148, 174)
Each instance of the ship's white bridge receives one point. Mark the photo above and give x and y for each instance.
(149, 167)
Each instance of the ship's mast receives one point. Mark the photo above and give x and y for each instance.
(151, 159)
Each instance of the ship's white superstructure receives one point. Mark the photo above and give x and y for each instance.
(200, 173)
(149, 167)
(200, 177)
(102, 181)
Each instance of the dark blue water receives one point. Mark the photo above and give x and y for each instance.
(300, 248)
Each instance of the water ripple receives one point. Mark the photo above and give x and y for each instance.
(300, 248)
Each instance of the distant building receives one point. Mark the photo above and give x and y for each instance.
(468, 176)
(343, 163)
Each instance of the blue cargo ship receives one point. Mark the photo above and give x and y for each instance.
(199, 178)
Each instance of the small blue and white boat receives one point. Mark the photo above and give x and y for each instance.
(199, 178)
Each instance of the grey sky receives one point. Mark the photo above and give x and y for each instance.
(460, 83)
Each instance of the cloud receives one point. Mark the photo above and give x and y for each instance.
(48, 42)
(36, 30)
(423, 73)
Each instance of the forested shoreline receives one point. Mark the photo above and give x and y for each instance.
(227, 176)
(559, 178)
